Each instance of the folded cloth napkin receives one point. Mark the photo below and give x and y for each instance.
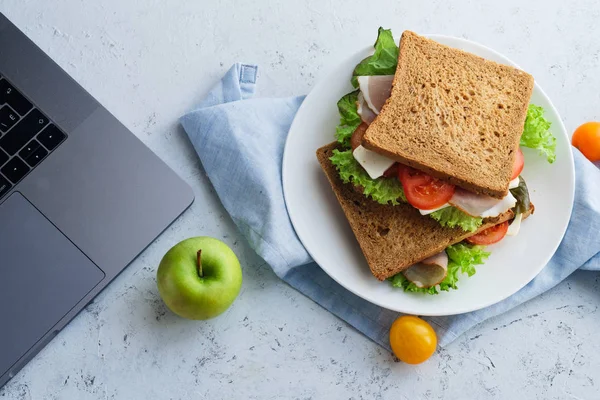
(240, 142)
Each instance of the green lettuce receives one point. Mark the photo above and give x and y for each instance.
(383, 61)
(466, 257)
(536, 135)
(382, 190)
(400, 281)
(452, 217)
(521, 193)
(462, 259)
(349, 118)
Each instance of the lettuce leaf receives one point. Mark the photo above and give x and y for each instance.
(399, 281)
(536, 135)
(466, 257)
(521, 193)
(462, 259)
(382, 190)
(349, 118)
(383, 61)
(452, 217)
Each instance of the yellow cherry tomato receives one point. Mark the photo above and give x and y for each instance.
(412, 339)
(587, 139)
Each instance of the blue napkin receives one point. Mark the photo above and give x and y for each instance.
(240, 142)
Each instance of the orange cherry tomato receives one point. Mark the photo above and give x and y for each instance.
(412, 339)
(587, 139)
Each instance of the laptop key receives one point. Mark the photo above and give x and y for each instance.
(37, 156)
(3, 158)
(15, 169)
(51, 137)
(7, 118)
(16, 100)
(29, 149)
(23, 132)
(4, 186)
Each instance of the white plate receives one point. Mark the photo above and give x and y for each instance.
(326, 234)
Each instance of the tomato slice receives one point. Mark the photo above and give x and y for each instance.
(391, 171)
(518, 165)
(491, 235)
(424, 191)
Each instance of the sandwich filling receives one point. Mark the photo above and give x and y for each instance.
(388, 182)
(442, 271)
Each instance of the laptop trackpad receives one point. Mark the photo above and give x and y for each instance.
(42, 276)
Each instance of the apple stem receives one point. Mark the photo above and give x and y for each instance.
(199, 262)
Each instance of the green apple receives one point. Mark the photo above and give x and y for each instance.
(199, 278)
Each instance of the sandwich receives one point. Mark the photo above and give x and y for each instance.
(427, 161)
(440, 129)
(414, 252)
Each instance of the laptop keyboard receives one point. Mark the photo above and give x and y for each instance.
(27, 136)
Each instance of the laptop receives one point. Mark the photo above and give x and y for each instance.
(80, 198)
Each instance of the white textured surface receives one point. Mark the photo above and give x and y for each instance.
(148, 62)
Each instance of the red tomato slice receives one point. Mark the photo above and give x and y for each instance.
(423, 191)
(491, 235)
(391, 171)
(519, 164)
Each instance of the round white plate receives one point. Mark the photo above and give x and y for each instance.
(326, 234)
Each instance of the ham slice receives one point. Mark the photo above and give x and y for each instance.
(366, 114)
(428, 272)
(479, 205)
(376, 90)
(440, 259)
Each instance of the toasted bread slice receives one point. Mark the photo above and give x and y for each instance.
(453, 115)
(392, 238)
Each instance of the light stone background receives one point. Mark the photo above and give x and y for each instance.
(150, 61)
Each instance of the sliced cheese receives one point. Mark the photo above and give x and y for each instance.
(375, 164)
(515, 226)
(427, 212)
(514, 183)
